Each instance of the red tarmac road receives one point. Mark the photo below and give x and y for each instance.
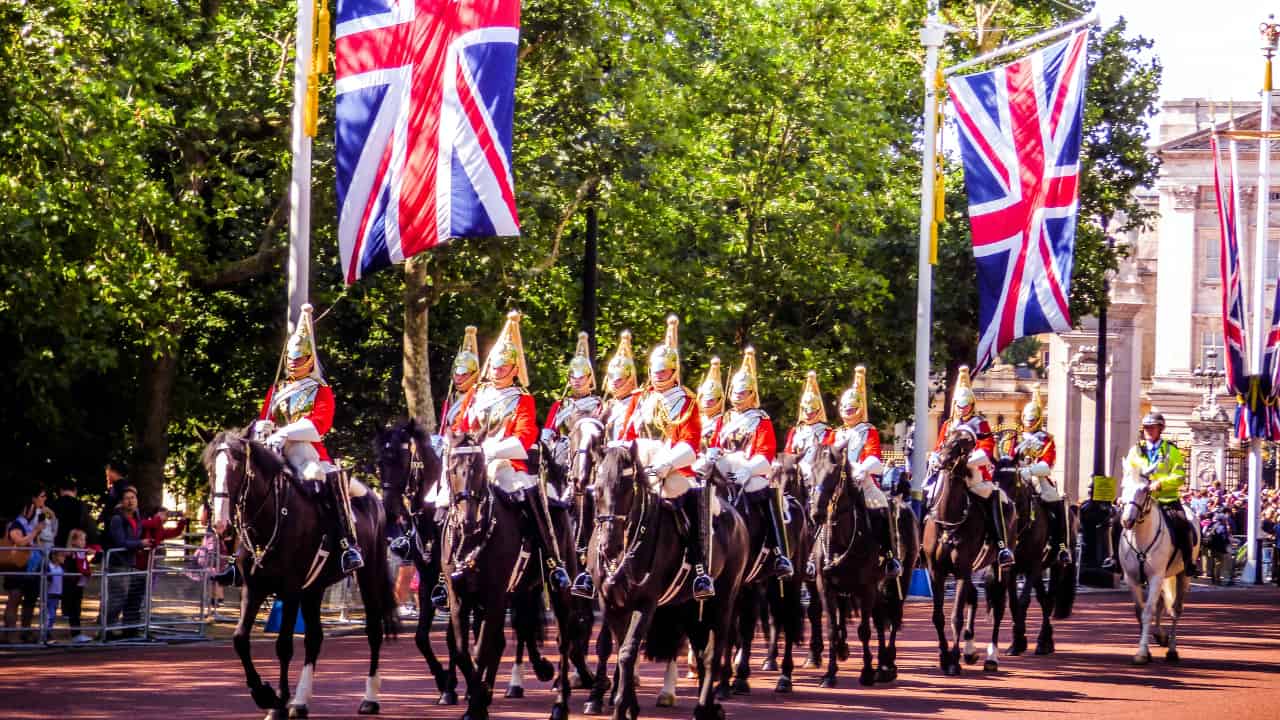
(1229, 642)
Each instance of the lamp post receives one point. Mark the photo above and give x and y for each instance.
(1207, 377)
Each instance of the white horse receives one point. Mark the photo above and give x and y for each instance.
(1150, 558)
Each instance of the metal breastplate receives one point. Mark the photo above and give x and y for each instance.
(739, 430)
(708, 430)
(808, 437)
(492, 408)
(856, 437)
(615, 416)
(657, 411)
(1030, 456)
(294, 400)
(570, 407)
(451, 414)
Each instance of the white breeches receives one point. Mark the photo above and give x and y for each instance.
(731, 463)
(979, 486)
(674, 483)
(305, 461)
(506, 477)
(872, 494)
(1048, 491)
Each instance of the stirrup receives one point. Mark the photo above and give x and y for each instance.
(401, 546)
(811, 571)
(559, 579)
(782, 567)
(583, 586)
(1064, 555)
(892, 568)
(1110, 564)
(352, 560)
(440, 597)
(1004, 557)
(704, 587)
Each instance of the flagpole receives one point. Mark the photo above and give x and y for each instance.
(299, 269)
(1086, 21)
(1270, 36)
(931, 36)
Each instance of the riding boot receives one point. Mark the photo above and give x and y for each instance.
(1057, 512)
(1005, 556)
(352, 559)
(1112, 561)
(536, 508)
(1180, 530)
(782, 567)
(880, 522)
(697, 510)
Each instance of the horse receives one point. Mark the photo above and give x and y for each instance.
(287, 551)
(500, 564)
(955, 545)
(848, 557)
(1032, 556)
(1150, 558)
(640, 568)
(408, 466)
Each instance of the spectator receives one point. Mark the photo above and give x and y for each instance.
(125, 587)
(53, 590)
(71, 512)
(1199, 504)
(77, 574)
(24, 590)
(116, 485)
(1219, 544)
(153, 529)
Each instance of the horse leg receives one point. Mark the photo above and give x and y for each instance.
(604, 649)
(747, 620)
(492, 640)
(939, 621)
(957, 621)
(251, 599)
(1175, 591)
(314, 637)
(1018, 609)
(284, 651)
(515, 687)
(1044, 641)
(422, 638)
(996, 594)
(378, 595)
(459, 639)
(789, 618)
(667, 695)
(769, 625)
(868, 675)
(814, 611)
(1143, 655)
(835, 625)
(628, 706)
(971, 602)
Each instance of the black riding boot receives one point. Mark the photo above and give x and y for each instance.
(782, 567)
(352, 559)
(1112, 561)
(996, 525)
(697, 510)
(1180, 529)
(881, 523)
(1057, 512)
(536, 509)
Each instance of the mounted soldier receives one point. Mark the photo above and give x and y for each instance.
(1035, 454)
(577, 399)
(665, 417)
(861, 441)
(964, 414)
(1158, 462)
(503, 418)
(621, 388)
(710, 405)
(811, 429)
(749, 445)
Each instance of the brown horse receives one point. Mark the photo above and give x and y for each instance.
(955, 544)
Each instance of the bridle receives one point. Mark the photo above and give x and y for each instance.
(486, 518)
(637, 521)
(1144, 509)
(826, 531)
(935, 512)
(241, 519)
(414, 481)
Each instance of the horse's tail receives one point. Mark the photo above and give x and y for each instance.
(1062, 586)
(529, 615)
(785, 607)
(386, 581)
(666, 633)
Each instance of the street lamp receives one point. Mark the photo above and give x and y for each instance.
(1207, 377)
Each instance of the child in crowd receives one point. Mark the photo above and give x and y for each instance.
(76, 578)
(53, 589)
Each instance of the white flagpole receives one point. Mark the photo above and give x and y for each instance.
(1090, 19)
(300, 183)
(1270, 35)
(931, 36)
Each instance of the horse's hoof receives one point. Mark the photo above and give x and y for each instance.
(477, 714)
(1045, 647)
(1162, 639)
(448, 697)
(368, 707)
(1018, 647)
(298, 711)
(1142, 658)
(544, 670)
(867, 678)
(828, 681)
(264, 696)
(886, 674)
(514, 692)
(277, 714)
(952, 670)
(813, 661)
(990, 666)
(666, 699)
(559, 711)
(592, 707)
(842, 651)
(784, 684)
(722, 692)
(769, 665)
(1172, 656)
(741, 687)
(713, 711)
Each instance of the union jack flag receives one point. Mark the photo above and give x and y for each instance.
(1020, 142)
(1233, 334)
(426, 96)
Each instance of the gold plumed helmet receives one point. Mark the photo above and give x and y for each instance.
(667, 355)
(811, 399)
(623, 363)
(300, 350)
(580, 365)
(509, 349)
(855, 398)
(1033, 412)
(963, 402)
(712, 386)
(746, 379)
(467, 361)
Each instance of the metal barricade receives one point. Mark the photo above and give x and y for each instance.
(24, 601)
(178, 592)
(125, 603)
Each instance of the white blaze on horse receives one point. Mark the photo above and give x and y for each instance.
(1153, 567)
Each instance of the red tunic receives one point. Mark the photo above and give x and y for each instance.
(687, 428)
(464, 404)
(870, 447)
(521, 423)
(762, 442)
(321, 415)
(789, 448)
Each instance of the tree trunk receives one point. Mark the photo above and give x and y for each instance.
(417, 368)
(151, 438)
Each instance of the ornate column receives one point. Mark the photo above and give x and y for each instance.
(1175, 280)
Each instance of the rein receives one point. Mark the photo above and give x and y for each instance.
(486, 517)
(634, 531)
(241, 515)
(827, 531)
(1144, 509)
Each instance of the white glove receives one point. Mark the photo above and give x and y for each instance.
(935, 461)
(437, 445)
(740, 476)
(548, 436)
(659, 470)
(275, 441)
(262, 429)
(503, 449)
(978, 458)
(1025, 473)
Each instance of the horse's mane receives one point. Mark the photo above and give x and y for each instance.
(263, 459)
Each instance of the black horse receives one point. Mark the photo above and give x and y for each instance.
(640, 567)
(849, 562)
(408, 467)
(1033, 555)
(287, 549)
(955, 544)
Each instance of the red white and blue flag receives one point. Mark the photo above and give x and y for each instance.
(426, 97)
(1233, 333)
(1020, 128)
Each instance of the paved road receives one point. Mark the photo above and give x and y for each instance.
(1230, 644)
